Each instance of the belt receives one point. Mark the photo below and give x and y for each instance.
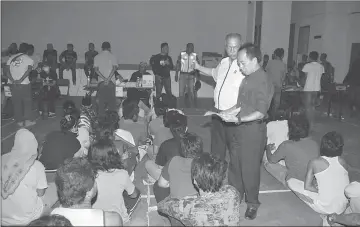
(254, 122)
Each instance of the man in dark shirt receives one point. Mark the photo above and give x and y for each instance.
(139, 94)
(249, 136)
(89, 62)
(50, 57)
(49, 91)
(161, 65)
(68, 61)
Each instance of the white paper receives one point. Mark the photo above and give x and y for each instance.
(227, 117)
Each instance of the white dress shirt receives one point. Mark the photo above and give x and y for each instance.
(228, 79)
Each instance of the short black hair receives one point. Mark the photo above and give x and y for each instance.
(51, 220)
(191, 145)
(323, 55)
(68, 107)
(31, 47)
(279, 52)
(67, 123)
(70, 45)
(164, 45)
(332, 144)
(104, 156)
(23, 48)
(252, 51)
(74, 179)
(105, 45)
(314, 55)
(130, 108)
(209, 172)
(298, 127)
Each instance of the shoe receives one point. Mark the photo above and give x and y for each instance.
(29, 123)
(251, 213)
(51, 115)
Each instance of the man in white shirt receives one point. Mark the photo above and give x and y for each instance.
(228, 79)
(17, 71)
(106, 64)
(313, 72)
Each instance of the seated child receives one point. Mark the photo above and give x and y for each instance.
(25, 192)
(49, 91)
(326, 194)
(108, 163)
(170, 148)
(297, 152)
(176, 174)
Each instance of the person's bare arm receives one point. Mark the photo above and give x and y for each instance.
(178, 66)
(308, 185)
(277, 155)
(26, 74)
(112, 219)
(61, 58)
(135, 193)
(352, 219)
(348, 167)
(99, 73)
(112, 73)
(207, 71)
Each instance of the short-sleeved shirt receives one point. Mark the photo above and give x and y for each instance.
(24, 205)
(70, 56)
(137, 129)
(111, 186)
(167, 150)
(19, 64)
(220, 208)
(50, 57)
(57, 147)
(105, 61)
(255, 93)
(314, 71)
(159, 131)
(158, 68)
(90, 55)
(178, 172)
(297, 155)
(276, 70)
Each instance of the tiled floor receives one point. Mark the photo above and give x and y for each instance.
(278, 207)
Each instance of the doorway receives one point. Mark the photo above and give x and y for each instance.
(291, 44)
(303, 41)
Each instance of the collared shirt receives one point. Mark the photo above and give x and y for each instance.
(105, 61)
(228, 79)
(255, 93)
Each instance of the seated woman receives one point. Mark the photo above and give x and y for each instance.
(25, 193)
(176, 174)
(297, 152)
(326, 194)
(131, 122)
(51, 220)
(49, 91)
(76, 186)
(107, 162)
(169, 148)
(215, 205)
(60, 145)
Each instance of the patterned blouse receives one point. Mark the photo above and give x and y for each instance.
(221, 208)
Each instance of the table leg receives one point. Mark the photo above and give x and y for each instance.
(340, 95)
(329, 104)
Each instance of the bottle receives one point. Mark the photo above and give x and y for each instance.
(138, 82)
(88, 80)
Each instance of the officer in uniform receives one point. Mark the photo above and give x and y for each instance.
(186, 67)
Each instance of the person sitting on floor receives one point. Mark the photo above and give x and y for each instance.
(176, 174)
(297, 152)
(76, 186)
(131, 122)
(107, 162)
(49, 91)
(51, 220)
(215, 205)
(60, 145)
(170, 148)
(25, 193)
(351, 217)
(69, 108)
(326, 194)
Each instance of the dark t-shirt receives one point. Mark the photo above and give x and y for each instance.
(167, 150)
(90, 55)
(70, 56)
(158, 67)
(50, 57)
(57, 147)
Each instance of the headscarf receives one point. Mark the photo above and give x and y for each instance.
(16, 164)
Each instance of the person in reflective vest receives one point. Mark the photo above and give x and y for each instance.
(185, 65)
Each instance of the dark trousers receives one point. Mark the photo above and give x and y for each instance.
(106, 97)
(48, 97)
(186, 89)
(218, 137)
(22, 102)
(247, 145)
(72, 67)
(90, 72)
(275, 103)
(309, 100)
(161, 82)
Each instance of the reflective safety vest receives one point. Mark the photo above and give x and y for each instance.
(187, 62)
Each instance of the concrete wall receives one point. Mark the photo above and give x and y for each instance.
(336, 25)
(135, 29)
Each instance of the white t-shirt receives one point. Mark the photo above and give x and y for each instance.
(277, 132)
(105, 62)
(25, 205)
(20, 66)
(314, 71)
(111, 185)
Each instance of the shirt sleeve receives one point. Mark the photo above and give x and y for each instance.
(40, 175)
(215, 71)
(165, 171)
(264, 95)
(129, 185)
(306, 68)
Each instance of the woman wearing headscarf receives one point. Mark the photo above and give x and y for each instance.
(25, 193)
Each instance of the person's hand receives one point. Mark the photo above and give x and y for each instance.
(196, 65)
(106, 82)
(176, 78)
(331, 219)
(270, 147)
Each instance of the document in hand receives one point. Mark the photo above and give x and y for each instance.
(227, 116)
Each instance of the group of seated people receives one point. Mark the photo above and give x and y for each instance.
(318, 175)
